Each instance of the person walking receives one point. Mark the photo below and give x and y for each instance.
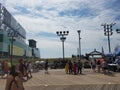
(74, 68)
(1, 71)
(70, 66)
(14, 81)
(66, 67)
(23, 69)
(46, 67)
(98, 65)
(104, 66)
(29, 67)
(79, 65)
(93, 65)
(5, 68)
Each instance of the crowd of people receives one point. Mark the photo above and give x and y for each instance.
(73, 68)
(99, 65)
(104, 66)
(25, 68)
(18, 73)
(15, 74)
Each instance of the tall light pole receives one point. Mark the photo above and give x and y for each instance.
(12, 35)
(118, 30)
(62, 35)
(79, 31)
(108, 32)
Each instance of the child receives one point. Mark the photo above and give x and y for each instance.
(74, 68)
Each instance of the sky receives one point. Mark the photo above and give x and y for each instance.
(42, 18)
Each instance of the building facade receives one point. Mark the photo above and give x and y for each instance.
(12, 31)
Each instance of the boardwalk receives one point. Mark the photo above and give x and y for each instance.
(58, 80)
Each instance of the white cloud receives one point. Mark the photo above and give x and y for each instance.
(44, 16)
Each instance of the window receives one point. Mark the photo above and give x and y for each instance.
(1, 37)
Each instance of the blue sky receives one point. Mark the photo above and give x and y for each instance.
(42, 18)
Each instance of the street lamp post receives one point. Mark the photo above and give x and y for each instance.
(108, 32)
(62, 35)
(12, 35)
(118, 30)
(79, 31)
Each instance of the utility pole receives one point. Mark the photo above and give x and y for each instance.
(108, 32)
